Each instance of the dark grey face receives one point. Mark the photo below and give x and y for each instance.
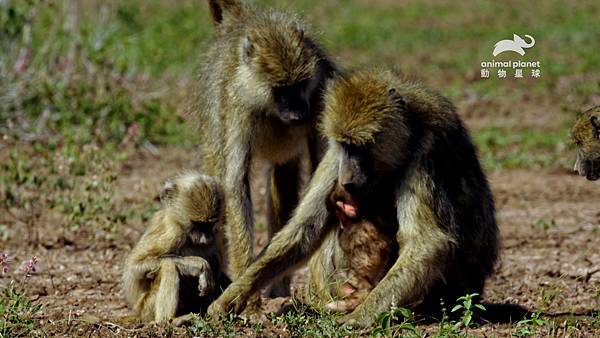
(202, 233)
(292, 103)
(588, 153)
(587, 165)
(354, 170)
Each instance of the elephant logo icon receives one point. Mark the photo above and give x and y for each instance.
(517, 45)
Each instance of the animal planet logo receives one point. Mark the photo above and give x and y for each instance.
(517, 45)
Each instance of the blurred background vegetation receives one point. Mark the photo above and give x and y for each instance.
(76, 72)
(86, 84)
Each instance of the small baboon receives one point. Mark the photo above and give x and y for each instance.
(175, 267)
(403, 149)
(258, 97)
(586, 135)
(367, 248)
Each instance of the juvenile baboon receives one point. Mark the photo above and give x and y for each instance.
(402, 149)
(366, 247)
(258, 98)
(175, 267)
(586, 135)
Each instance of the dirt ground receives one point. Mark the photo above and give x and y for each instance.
(549, 222)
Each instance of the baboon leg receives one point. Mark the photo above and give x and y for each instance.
(167, 295)
(284, 186)
(146, 304)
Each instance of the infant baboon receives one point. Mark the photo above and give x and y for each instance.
(367, 251)
(258, 99)
(586, 135)
(175, 267)
(402, 150)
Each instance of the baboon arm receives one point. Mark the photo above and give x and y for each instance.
(190, 265)
(290, 246)
(423, 245)
(238, 205)
(195, 266)
(160, 240)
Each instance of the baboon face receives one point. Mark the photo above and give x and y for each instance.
(354, 168)
(277, 53)
(203, 233)
(292, 102)
(586, 135)
(364, 120)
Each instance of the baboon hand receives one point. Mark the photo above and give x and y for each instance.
(216, 309)
(340, 306)
(192, 266)
(350, 320)
(206, 283)
(232, 299)
(357, 319)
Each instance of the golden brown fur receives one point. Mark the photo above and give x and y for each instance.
(586, 135)
(174, 268)
(412, 163)
(367, 252)
(257, 99)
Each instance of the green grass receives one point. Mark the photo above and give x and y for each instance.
(504, 148)
(98, 69)
(17, 312)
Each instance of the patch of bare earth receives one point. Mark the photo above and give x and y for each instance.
(550, 224)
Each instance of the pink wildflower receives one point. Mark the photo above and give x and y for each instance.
(29, 267)
(4, 262)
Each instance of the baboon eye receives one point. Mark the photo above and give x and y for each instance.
(392, 91)
(353, 149)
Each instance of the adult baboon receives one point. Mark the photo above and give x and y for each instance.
(400, 147)
(258, 98)
(586, 135)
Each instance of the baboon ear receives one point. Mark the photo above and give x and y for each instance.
(299, 30)
(221, 9)
(397, 98)
(168, 191)
(247, 49)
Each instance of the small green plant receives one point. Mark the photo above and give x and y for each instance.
(467, 306)
(17, 312)
(596, 316)
(528, 327)
(257, 328)
(396, 322)
(302, 321)
(545, 224)
(446, 327)
(202, 326)
(228, 323)
(224, 326)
